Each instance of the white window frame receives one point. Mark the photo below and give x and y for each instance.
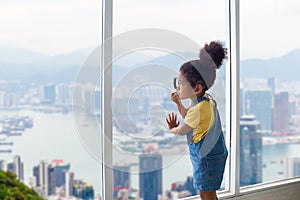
(232, 183)
(106, 110)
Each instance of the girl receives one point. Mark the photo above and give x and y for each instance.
(201, 123)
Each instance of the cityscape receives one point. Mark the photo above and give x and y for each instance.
(51, 180)
(269, 117)
(52, 109)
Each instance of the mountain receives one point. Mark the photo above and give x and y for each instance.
(64, 68)
(14, 55)
(40, 68)
(284, 68)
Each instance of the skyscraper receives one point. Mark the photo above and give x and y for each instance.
(43, 175)
(36, 174)
(272, 84)
(242, 101)
(46, 179)
(260, 104)
(18, 168)
(281, 113)
(60, 169)
(189, 186)
(296, 166)
(10, 167)
(49, 94)
(64, 94)
(121, 178)
(150, 178)
(69, 183)
(3, 165)
(250, 151)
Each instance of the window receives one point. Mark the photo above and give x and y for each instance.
(42, 48)
(149, 45)
(269, 130)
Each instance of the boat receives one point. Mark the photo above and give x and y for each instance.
(5, 150)
(6, 143)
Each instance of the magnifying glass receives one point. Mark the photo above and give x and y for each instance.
(175, 83)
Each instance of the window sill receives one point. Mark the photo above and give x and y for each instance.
(281, 189)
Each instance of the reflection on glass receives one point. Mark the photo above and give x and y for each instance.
(144, 149)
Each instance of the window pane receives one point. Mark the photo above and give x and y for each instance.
(145, 63)
(269, 91)
(42, 48)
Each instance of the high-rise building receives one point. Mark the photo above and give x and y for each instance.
(260, 104)
(60, 168)
(296, 166)
(89, 100)
(51, 181)
(15, 167)
(242, 101)
(272, 84)
(189, 186)
(3, 165)
(10, 167)
(49, 94)
(150, 178)
(64, 94)
(97, 101)
(281, 115)
(18, 168)
(250, 151)
(36, 174)
(83, 190)
(69, 183)
(43, 175)
(9, 99)
(121, 178)
(46, 179)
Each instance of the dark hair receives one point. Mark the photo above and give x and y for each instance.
(203, 70)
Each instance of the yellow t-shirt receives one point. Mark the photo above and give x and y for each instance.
(200, 118)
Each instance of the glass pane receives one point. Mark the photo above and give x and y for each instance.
(151, 41)
(42, 48)
(269, 91)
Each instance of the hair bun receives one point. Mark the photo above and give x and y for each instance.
(214, 51)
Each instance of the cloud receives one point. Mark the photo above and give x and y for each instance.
(60, 26)
(50, 26)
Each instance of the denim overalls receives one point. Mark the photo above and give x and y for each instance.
(209, 155)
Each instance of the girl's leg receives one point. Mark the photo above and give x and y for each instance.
(208, 195)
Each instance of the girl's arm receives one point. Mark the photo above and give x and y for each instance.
(182, 110)
(174, 127)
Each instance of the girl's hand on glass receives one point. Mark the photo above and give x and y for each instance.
(175, 97)
(172, 120)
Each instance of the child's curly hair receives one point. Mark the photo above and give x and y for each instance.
(203, 70)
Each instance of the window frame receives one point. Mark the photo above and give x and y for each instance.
(106, 87)
(232, 173)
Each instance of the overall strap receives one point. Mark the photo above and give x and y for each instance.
(201, 99)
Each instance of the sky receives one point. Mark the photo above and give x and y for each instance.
(268, 28)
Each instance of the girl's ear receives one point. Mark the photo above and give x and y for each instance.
(198, 89)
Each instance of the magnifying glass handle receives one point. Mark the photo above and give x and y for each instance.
(175, 83)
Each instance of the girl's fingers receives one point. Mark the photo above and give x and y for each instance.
(172, 120)
(173, 115)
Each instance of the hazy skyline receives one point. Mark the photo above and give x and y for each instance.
(60, 27)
